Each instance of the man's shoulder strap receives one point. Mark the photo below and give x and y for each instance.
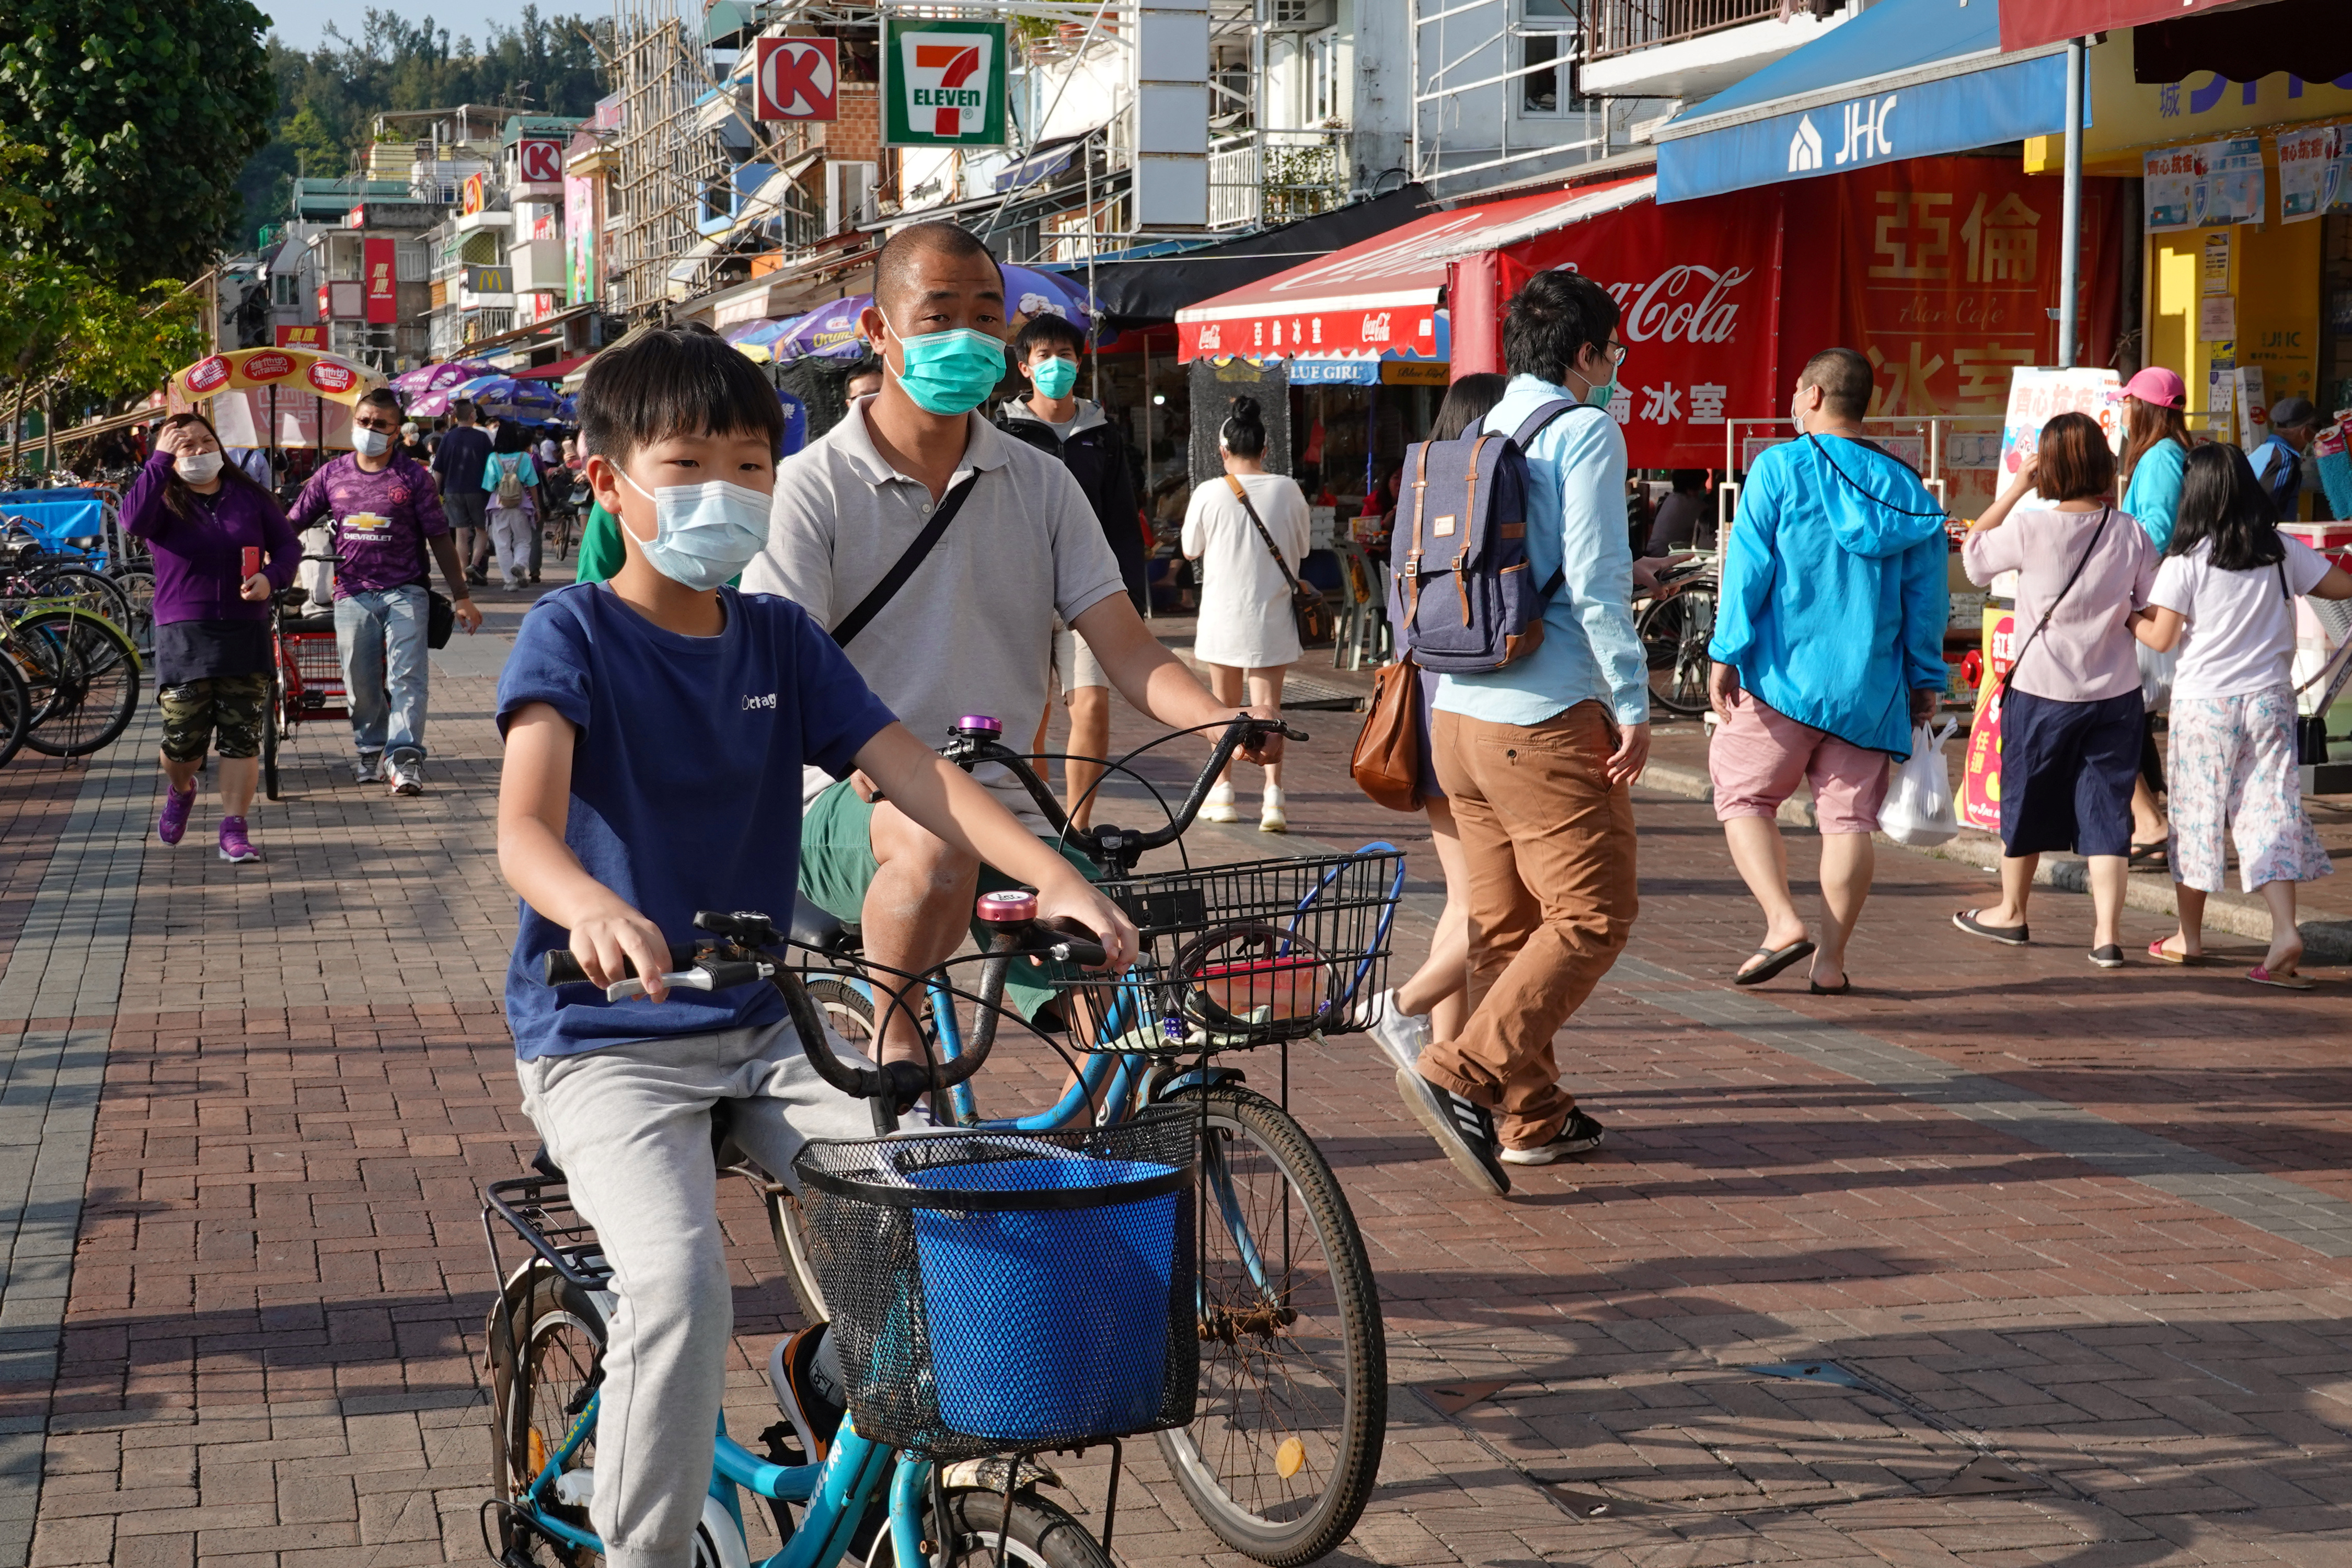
(1534, 424)
(882, 593)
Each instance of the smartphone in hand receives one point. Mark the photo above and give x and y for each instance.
(252, 561)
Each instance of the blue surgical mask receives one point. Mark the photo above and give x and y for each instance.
(703, 534)
(369, 443)
(951, 371)
(1054, 377)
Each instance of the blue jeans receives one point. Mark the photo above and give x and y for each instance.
(380, 635)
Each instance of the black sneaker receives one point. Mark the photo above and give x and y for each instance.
(1465, 1132)
(1580, 1134)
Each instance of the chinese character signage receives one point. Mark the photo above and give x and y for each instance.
(302, 338)
(2037, 397)
(943, 84)
(383, 293)
(795, 79)
(2208, 184)
(2314, 172)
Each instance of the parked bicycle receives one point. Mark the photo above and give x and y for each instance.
(1283, 1454)
(1676, 627)
(80, 673)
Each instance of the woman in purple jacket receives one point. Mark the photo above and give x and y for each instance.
(199, 516)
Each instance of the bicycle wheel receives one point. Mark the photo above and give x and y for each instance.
(97, 673)
(1284, 1452)
(138, 585)
(1040, 1535)
(84, 588)
(537, 1389)
(270, 738)
(16, 712)
(1674, 632)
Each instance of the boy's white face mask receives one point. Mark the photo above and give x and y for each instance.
(703, 534)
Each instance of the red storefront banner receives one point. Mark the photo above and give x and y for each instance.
(383, 292)
(1944, 271)
(2026, 24)
(1698, 285)
(301, 337)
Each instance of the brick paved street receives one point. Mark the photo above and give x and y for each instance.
(2070, 1253)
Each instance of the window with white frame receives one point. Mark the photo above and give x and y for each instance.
(1324, 103)
(1547, 31)
(409, 262)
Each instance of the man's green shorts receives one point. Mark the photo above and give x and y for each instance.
(837, 864)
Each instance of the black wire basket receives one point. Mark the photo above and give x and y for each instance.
(1235, 956)
(1000, 1293)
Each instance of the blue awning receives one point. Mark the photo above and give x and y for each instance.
(1906, 78)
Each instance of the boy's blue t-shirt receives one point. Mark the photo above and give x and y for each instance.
(686, 786)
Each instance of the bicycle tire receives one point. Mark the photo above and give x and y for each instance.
(269, 740)
(138, 585)
(1674, 635)
(84, 588)
(1040, 1535)
(16, 712)
(98, 687)
(1229, 1461)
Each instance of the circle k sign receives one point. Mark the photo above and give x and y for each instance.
(796, 78)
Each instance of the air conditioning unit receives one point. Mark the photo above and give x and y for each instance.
(1303, 15)
(850, 194)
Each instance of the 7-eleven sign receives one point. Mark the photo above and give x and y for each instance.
(944, 84)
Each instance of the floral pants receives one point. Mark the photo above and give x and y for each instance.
(2232, 771)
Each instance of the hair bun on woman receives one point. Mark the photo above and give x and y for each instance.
(1243, 431)
(1245, 411)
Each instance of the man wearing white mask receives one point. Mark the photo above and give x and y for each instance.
(938, 551)
(385, 513)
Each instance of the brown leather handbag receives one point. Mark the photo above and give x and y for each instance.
(1386, 760)
(1316, 628)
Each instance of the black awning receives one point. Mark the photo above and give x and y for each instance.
(2308, 37)
(1149, 293)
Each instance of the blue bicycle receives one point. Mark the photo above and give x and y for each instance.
(1284, 1449)
(971, 1334)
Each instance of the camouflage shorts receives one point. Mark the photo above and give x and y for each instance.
(231, 706)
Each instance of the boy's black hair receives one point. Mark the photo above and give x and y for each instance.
(1551, 322)
(2221, 501)
(511, 439)
(662, 382)
(1046, 327)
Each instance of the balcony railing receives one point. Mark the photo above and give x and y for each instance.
(1276, 176)
(1620, 26)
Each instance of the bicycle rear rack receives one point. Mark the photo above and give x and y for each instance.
(539, 1209)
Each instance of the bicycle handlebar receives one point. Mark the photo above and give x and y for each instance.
(978, 742)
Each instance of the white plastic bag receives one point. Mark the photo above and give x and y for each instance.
(1918, 810)
(316, 577)
(2155, 675)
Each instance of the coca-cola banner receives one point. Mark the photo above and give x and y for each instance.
(1698, 283)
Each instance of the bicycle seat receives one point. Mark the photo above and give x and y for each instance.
(819, 929)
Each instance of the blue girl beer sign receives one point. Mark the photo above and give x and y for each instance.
(943, 84)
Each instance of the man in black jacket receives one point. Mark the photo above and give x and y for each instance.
(1054, 418)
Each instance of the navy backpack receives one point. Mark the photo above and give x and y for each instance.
(1465, 604)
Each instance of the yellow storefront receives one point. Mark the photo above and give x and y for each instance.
(2252, 293)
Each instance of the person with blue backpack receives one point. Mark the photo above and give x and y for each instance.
(1516, 580)
(1828, 648)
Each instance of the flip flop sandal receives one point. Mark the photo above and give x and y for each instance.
(1774, 961)
(2262, 976)
(2145, 858)
(1840, 989)
(2007, 936)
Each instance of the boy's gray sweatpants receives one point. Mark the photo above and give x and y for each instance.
(630, 1125)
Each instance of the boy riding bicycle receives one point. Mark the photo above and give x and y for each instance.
(655, 728)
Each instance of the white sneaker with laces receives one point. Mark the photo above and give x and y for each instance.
(1270, 818)
(1399, 1032)
(1219, 806)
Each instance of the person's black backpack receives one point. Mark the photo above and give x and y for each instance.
(1463, 581)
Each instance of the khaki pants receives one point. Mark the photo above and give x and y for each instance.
(1549, 847)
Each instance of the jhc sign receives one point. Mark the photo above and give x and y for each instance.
(943, 84)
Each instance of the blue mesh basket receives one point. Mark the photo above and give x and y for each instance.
(998, 1291)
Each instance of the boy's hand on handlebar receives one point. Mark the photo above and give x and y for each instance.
(1071, 896)
(610, 937)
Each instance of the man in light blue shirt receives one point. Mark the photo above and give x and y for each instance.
(1538, 759)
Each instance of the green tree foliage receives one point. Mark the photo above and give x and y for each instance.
(327, 98)
(143, 115)
(69, 336)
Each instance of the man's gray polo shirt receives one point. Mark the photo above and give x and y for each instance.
(972, 631)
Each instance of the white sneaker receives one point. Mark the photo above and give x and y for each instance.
(1219, 806)
(1401, 1034)
(1269, 813)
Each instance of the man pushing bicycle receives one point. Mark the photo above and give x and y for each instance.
(938, 551)
(656, 726)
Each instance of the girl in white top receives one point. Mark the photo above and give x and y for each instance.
(1246, 634)
(2226, 595)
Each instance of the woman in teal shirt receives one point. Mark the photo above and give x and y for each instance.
(2155, 450)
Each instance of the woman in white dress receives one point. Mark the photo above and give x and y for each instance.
(1247, 635)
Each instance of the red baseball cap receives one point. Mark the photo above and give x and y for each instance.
(2158, 386)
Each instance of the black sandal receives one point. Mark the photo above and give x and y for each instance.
(1840, 989)
(1774, 961)
(2147, 856)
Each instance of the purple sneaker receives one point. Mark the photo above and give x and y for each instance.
(173, 823)
(232, 843)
